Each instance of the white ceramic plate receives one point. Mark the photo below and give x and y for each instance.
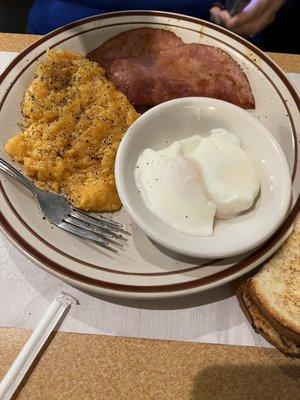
(143, 270)
(182, 118)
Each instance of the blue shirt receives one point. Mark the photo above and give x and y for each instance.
(46, 15)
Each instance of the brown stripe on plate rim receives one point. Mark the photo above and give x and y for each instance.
(214, 276)
(166, 14)
(81, 261)
(221, 41)
(254, 49)
(42, 260)
(190, 269)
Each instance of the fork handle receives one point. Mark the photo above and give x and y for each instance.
(13, 173)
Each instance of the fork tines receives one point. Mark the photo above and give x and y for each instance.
(98, 229)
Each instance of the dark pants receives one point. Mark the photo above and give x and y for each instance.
(283, 36)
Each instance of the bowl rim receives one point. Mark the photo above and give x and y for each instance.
(102, 284)
(161, 239)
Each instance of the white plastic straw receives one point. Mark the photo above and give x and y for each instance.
(22, 363)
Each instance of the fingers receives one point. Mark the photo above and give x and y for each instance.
(220, 17)
(251, 20)
(252, 27)
(225, 18)
(215, 14)
(253, 11)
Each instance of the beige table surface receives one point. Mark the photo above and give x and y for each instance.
(17, 42)
(79, 366)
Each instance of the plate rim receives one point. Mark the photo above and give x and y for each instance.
(154, 234)
(120, 288)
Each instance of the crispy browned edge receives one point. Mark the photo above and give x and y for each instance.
(263, 326)
(54, 267)
(248, 105)
(278, 323)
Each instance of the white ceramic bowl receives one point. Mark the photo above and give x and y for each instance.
(181, 118)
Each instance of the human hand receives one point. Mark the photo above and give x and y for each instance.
(252, 19)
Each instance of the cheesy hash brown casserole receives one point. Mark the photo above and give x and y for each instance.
(74, 119)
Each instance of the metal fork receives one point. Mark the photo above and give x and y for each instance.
(105, 232)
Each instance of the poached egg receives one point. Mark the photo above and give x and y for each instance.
(193, 180)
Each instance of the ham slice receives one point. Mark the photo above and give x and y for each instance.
(153, 65)
(136, 42)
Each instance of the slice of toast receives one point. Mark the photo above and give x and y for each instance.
(263, 326)
(272, 297)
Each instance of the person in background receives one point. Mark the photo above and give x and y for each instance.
(255, 17)
(251, 22)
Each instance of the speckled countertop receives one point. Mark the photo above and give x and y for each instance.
(17, 42)
(81, 366)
